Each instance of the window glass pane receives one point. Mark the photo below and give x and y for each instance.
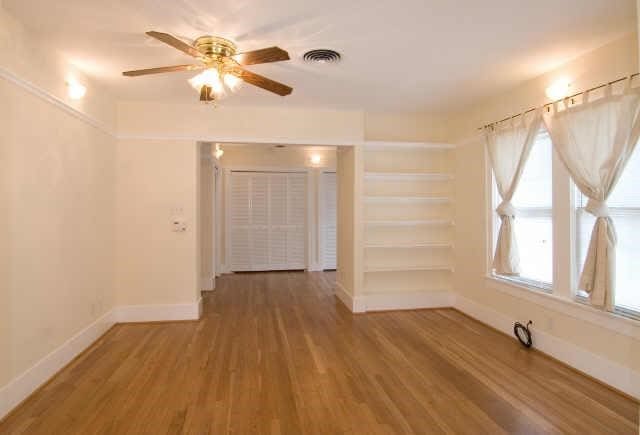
(627, 192)
(535, 187)
(627, 261)
(624, 206)
(534, 235)
(533, 223)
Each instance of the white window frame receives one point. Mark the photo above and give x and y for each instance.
(576, 263)
(564, 289)
(493, 220)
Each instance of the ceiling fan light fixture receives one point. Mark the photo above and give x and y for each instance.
(223, 68)
(232, 82)
(209, 77)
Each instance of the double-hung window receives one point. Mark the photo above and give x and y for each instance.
(533, 223)
(624, 208)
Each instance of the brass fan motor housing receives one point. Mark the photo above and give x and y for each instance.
(214, 46)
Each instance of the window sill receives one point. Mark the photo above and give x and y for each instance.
(567, 307)
(525, 284)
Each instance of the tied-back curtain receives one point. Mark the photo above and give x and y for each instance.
(594, 141)
(508, 146)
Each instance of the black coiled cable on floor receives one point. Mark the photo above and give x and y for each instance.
(523, 334)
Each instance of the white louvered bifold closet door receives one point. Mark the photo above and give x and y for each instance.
(239, 221)
(268, 221)
(278, 222)
(328, 211)
(259, 235)
(296, 220)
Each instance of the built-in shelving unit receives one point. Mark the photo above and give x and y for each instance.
(407, 203)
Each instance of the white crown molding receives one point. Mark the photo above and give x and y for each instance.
(50, 98)
(18, 389)
(223, 140)
(54, 100)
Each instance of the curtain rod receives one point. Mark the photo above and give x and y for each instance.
(561, 99)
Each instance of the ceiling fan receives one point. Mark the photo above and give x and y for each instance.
(222, 65)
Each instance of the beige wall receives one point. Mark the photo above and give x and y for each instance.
(58, 203)
(347, 244)
(610, 62)
(411, 127)
(614, 60)
(25, 55)
(204, 122)
(156, 181)
(57, 229)
(267, 156)
(206, 222)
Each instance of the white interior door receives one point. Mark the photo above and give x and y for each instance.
(259, 210)
(328, 216)
(296, 220)
(267, 221)
(240, 221)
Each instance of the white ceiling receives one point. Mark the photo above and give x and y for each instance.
(401, 55)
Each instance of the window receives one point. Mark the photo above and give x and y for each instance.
(624, 207)
(533, 223)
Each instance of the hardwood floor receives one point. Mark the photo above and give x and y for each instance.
(277, 353)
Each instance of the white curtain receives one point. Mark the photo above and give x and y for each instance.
(508, 146)
(594, 141)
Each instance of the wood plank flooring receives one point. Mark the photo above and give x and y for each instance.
(277, 353)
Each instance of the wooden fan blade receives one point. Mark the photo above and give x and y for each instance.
(162, 69)
(175, 43)
(264, 55)
(263, 82)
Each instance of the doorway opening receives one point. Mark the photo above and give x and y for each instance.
(265, 207)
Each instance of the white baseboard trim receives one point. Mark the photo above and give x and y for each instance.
(315, 267)
(157, 313)
(394, 301)
(408, 300)
(609, 372)
(207, 283)
(19, 388)
(355, 305)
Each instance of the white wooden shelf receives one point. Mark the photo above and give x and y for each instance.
(407, 199)
(395, 245)
(409, 223)
(408, 176)
(419, 145)
(409, 268)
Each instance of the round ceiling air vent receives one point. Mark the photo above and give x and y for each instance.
(322, 55)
